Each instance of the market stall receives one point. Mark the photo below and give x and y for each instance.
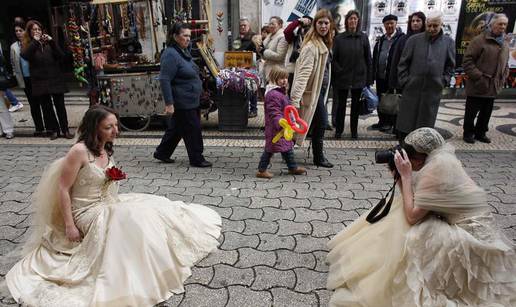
(116, 47)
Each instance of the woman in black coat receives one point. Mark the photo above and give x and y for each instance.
(352, 70)
(44, 56)
(416, 24)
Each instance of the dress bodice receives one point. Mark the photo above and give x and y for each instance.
(91, 186)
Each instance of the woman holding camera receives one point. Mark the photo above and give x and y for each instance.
(437, 247)
(44, 56)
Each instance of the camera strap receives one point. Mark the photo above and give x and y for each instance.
(375, 215)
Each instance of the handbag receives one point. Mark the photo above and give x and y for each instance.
(390, 103)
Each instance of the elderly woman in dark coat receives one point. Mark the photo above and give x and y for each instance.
(181, 88)
(43, 55)
(352, 70)
(425, 68)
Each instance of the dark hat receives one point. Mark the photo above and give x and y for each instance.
(390, 17)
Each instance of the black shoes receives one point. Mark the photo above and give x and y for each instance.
(468, 139)
(202, 164)
(53, 136)
(385, 128)
(376, 126)
(163, 159)
(338, 136)
(323, 162)
(252, 114)
(483, 139)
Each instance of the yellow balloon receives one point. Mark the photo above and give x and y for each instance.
(287, 132)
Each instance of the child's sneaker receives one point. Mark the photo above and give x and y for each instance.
(297, 171)
(264, 174)
(15, 108)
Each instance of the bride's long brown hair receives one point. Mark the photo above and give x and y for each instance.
(88, 129)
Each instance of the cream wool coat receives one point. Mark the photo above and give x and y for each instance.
(308, 77)
(275, 51)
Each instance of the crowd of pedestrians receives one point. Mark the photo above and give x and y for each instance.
(36, 64)
(414, 67)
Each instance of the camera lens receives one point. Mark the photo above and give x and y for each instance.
(384, 156)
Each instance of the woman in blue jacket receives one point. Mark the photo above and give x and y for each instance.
(181, 88)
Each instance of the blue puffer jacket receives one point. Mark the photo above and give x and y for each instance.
(179, 78)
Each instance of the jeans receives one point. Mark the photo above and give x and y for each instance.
(10, 96)
(288, 156)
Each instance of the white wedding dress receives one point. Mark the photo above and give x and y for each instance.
(455, 257)
(137, 249)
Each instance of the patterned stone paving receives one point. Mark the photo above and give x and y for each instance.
(273, 246)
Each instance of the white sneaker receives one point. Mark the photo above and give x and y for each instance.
(15, 108)
(9, 136)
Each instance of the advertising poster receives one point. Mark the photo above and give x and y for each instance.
(403, 8)
(288, 10)
(475, 16)
(339, 9)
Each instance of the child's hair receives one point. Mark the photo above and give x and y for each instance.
(277, 73)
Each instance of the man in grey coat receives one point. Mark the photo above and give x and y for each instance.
(425, 68)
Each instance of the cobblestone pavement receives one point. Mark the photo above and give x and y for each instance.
(273, 246)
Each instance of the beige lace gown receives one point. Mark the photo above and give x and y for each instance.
(454, 257)
(137, 249)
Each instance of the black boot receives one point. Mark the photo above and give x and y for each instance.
(319, 158)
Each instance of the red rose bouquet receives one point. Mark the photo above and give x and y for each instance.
(112, 174)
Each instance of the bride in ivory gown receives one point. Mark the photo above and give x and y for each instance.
(91, 246)
(437, 247)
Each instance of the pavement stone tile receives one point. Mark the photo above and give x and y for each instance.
(288, 228)
(233, 240)
(203, 296)
(289, 260)
(287, 298)
(268, 278)
(307, 215)
(291, 202)
(270, 242)
(226, 275)
(325, 230)
(201, 275)
(234, 226)
(241, 213)
(219, 256)
(306, 243)
(242, 296)
(309, 280)
(249, 257)
(253, 226)
(273, 214)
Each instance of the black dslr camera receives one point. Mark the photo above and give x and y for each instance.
(387, 156)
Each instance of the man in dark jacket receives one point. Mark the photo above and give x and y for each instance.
(382, 57)
(485, 64)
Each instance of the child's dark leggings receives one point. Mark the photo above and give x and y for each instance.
(288, 156)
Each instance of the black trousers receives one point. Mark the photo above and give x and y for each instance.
(355, 110)
(49, 115)
(186, 125)
(35, 106)
(483, 107)
(382, 86)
